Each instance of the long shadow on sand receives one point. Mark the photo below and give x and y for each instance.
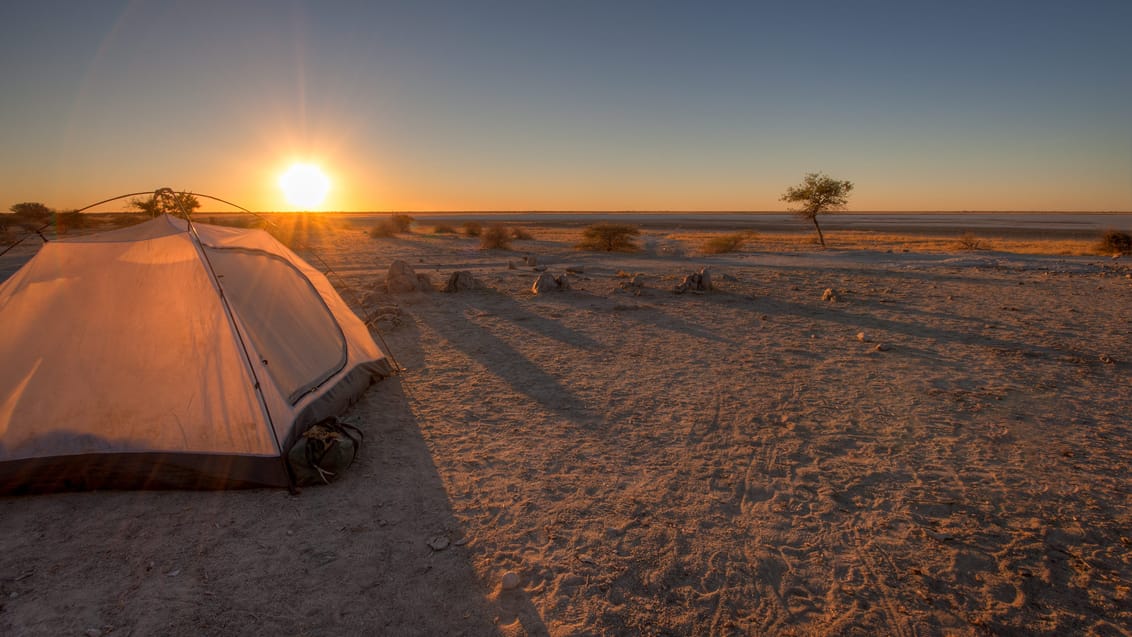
(502, 359)
(510, 309)
(913, 329)
(641, 309)
(350, 558)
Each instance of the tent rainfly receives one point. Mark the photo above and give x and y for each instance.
(170, 355)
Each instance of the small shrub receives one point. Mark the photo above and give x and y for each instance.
(725, 243)
(968, 241)
(1116, 242)
(383, 230)
(609, 237)
(472, 228)
(443, 228)
(395, 224)
(495, 237)
(403, 223)
(521, 234)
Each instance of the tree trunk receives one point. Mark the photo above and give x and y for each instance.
(821, 238)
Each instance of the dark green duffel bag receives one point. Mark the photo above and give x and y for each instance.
(324, 451)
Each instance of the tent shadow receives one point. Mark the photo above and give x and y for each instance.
(379, 552)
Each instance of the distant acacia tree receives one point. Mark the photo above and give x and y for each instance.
(609, 237)
(31, 210)
(167, 202)
(31, 216)
(817, 194)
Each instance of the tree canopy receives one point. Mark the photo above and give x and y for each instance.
(31, 210)
(165, 201)
(609, 237)
(818, 193)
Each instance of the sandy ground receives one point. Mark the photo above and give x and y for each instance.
(728, 463)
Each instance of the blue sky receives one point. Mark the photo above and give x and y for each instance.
(572, 105)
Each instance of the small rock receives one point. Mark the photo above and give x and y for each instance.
(575, 269)
(530, 260)
(1106, 359)
(401, 278)
(438, 543)
(462, 280)
(547, 282)
(861, 337)
(881, 347)
(829, 295)
(705, 280)
(539, 268)
(695, 282)
(510, 581)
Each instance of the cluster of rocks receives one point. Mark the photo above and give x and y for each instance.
(460, 281)
(695, 282)
(402, 279)
(635, 284)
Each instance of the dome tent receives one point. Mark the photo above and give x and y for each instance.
(170, 355)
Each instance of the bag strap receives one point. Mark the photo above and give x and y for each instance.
(316, 462)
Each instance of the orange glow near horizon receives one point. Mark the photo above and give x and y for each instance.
(304, 186)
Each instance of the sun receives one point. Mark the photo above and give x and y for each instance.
(304, 186)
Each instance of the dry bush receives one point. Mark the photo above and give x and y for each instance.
(520, 234)
(471, 228)
(1115, 242)
(723, 244)
(402, 223)
(968, 241)
(395, 224)
(495, 237)
(609, 237)
(443, 228)
(383, 230)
